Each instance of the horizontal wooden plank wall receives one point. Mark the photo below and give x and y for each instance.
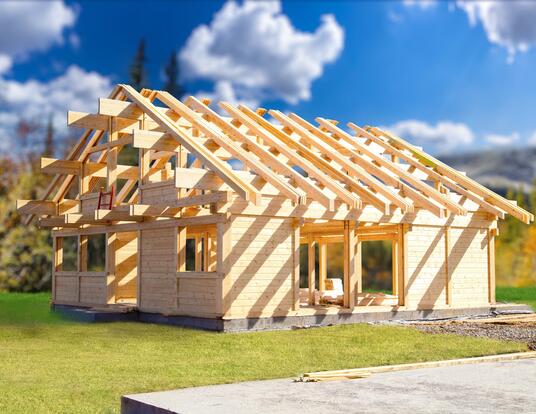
(468, 266)
(426, 272)
(158, 270)
(126, 271)
(446, 266)
(261, 267)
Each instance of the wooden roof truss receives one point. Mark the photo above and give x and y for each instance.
(299, 161)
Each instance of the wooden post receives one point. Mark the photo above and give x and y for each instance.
(82, 261)
(144, 162)
(223, 266)
(350, 276)
(491, 266)
(400, 272)
(111, 239)
(182, 162)
(57, 261)
(111, 159)
(198, 253)
(358, 265)
(206, 251)
(84, 179)
(311, 259)
(448, 282)
(403, 264)
(296, 264)
(322, 266)
(395, 246)
(138, 269)
(181, 249)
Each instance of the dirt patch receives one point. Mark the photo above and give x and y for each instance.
(513, 328)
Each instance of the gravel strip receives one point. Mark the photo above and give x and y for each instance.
(518, 332)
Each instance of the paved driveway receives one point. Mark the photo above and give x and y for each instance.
(498, 387)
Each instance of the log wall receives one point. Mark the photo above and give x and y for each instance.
(446, 266)
(261, 266)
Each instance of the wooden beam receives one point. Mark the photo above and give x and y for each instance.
(395, 168)
(271, 160)
(414, 162)
(272, 136)
(229, 145)
(461, 179)
(325, 142)
(174, 208)
(37, 207)
(311, 269)
(491, 267)
(115, 215)
(218, 166)
(99, 122)
(353, 171)
(322, 266)
(350, 276)
(95, 169)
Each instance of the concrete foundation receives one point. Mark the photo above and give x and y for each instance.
(278, 323)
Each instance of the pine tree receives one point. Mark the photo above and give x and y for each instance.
(138, 73)
(48, 150)
(172, 71)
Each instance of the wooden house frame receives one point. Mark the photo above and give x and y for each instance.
(298, 183)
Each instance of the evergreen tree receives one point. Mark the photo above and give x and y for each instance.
(138, 73)
(172, 71)
(48, 150)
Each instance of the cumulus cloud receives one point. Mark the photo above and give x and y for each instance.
(501, 140)
(29, 26)
(224, 91)
(509, 24)
(444, 136)
(34, 100)
(253, 49)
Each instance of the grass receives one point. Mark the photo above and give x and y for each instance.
(526, 295)
(52, 365)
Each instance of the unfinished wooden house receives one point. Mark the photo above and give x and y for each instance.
(245, 191)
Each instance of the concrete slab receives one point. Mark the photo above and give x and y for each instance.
(499, 387)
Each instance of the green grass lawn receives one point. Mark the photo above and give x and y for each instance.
(51, 365)
(526, 295)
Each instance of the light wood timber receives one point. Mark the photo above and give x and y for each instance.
(250, 119)
(225, 173)
(426, 189)
(471, 185)
(229, 145)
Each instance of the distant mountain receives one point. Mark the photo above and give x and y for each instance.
(497, 169)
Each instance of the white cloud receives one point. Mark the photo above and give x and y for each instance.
(34, 101)
(501, 140)
(224, 91)
(5, 63)
(444, 136)
(509, 24)
(423, 4)
(28, 26)
(532, 139)
(256, 50)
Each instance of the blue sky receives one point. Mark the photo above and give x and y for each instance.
(450, 76)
